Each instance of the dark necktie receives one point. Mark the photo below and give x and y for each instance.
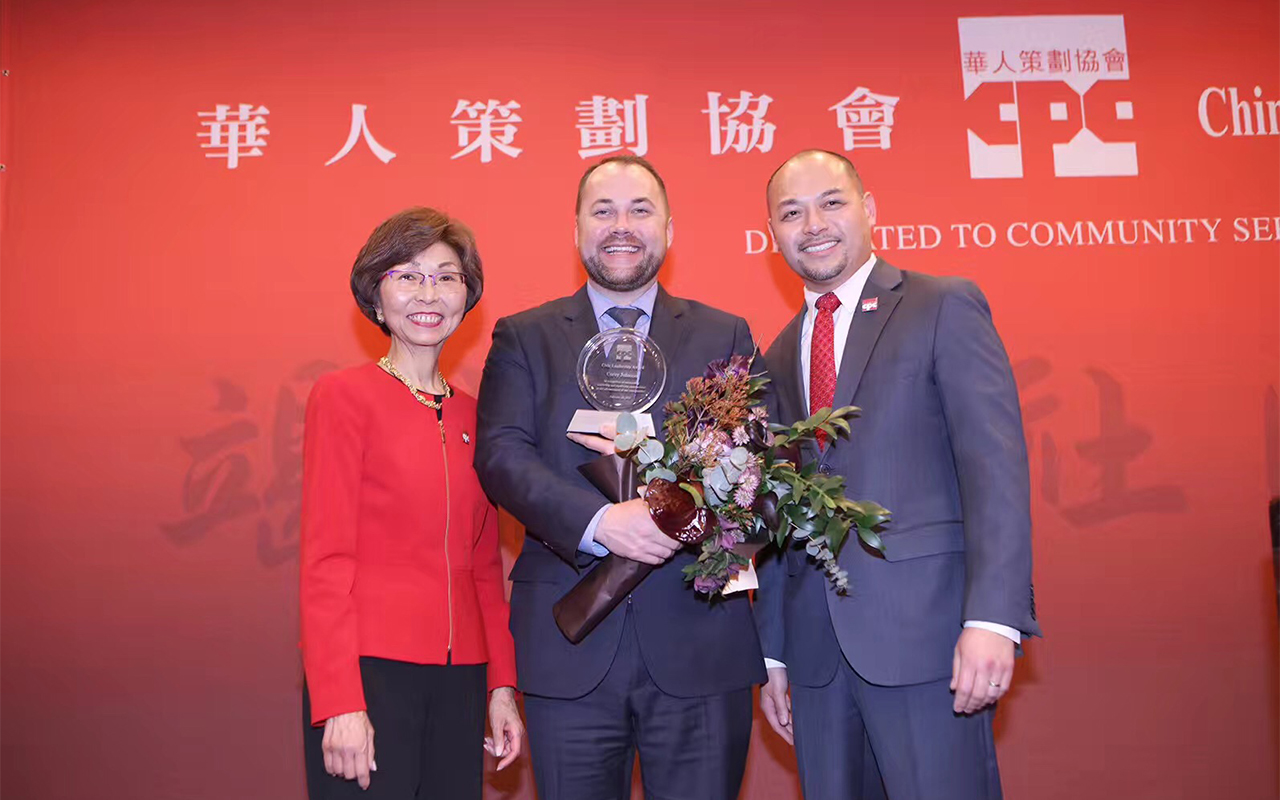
(626, 315)
(822, 358)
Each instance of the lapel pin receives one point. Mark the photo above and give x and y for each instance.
(466, 438)
(871, 304)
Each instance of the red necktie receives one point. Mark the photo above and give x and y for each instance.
(822, 358)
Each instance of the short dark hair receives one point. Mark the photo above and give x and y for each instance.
(853, 171)
(634, 161)
(400, 238)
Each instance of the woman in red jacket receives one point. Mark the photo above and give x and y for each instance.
(404, 616)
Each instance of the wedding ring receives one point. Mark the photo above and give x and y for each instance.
(994, 685)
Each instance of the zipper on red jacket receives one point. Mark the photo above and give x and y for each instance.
(448, 571)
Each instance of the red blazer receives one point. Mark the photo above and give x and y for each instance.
(400, 554)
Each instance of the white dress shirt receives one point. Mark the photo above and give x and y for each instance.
(850, 294)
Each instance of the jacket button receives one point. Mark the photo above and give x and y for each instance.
(825, 469)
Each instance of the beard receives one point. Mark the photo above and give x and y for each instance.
(820, 270)
(820, 273)
(623, 280)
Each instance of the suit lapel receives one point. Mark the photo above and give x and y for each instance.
(579, 320)
(884, 285)
(788, 378)
(668, 329)
(785, 368)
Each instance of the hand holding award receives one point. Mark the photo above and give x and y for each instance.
(621, 373)
(724, 477)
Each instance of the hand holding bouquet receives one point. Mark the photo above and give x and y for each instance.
(724, 476)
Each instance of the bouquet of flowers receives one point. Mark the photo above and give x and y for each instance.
(724, 476)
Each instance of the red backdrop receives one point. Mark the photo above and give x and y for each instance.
(163, 315)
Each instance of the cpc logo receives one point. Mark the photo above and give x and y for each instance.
(1047, 92)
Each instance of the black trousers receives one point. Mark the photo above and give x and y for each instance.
(428, 734)
(690, 747)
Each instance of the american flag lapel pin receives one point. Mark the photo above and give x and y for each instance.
(466, 438)
(871, 304)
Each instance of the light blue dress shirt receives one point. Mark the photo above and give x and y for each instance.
(600, 306)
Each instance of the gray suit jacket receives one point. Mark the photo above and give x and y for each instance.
(940, 444)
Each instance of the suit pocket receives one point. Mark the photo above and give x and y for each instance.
(924, 540)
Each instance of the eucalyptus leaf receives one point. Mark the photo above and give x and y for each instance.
(717, 478)
(733, 473)
(660, 472)
(627, 423)
(650, 451)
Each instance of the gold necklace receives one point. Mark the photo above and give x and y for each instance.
(385, 363)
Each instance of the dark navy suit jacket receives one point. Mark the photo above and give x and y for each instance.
(528, 394)
(940, 444)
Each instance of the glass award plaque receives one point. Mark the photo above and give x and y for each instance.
(619, 370)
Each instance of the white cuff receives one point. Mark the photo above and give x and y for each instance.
(773, 663)
(995, 627)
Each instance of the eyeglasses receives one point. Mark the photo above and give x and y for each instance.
(409, 280)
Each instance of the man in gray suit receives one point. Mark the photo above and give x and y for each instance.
(914, 658)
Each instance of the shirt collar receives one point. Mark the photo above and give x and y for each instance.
(600, 304)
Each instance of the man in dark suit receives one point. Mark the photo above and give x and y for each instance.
(666, 673)
(914, 658)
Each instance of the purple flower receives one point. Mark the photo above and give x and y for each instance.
(734, 365)
(707, 584)
(727, 540)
